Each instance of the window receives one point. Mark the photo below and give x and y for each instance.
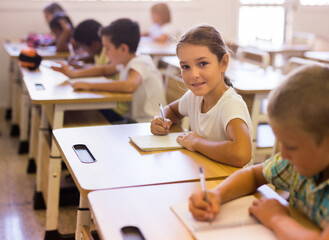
(262, 20)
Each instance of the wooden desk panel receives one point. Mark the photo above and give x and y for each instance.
(119, 163)
(148, 208)
(13, 49)
(58, 91)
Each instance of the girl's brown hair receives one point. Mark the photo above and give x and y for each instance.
(206, 36)
(303, 100)
(163, 11)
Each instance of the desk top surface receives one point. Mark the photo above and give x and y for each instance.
(246, 78)
(272, 48)
(152, 48)
(119, 163)
(13, 49)
(322, 56)
(148, 208)
(55, 89)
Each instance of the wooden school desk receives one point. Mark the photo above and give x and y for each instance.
(155, 49)
(252, 82)
(48, 89)
(119, 163)
(320, 56)
(17, 96)
(272, 49)
(148, 208)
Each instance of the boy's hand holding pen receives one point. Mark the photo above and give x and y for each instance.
(160, 125)
(204, 205)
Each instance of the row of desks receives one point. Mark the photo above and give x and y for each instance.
(119, 164)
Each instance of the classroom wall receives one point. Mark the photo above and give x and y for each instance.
(17, 19)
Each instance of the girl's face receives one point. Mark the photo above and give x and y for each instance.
(115, 54)
(201, 71)
(156, 18)
(48, 16)
(300, 148)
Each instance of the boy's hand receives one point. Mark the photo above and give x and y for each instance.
(200, 209)
(158, 127)
(267, 210)
(65, 69)
(188, 140)
(81, 86)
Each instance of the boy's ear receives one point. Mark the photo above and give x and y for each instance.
(225, 61)
(124, 48)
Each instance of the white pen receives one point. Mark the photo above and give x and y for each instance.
(203, 185)
(71, 50)
(161, 112)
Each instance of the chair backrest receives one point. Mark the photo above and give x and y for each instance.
(295, 62)
(303, 38)
(254, 56)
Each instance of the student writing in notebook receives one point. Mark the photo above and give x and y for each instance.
(299, 115)
(219, 118)
(138, 73)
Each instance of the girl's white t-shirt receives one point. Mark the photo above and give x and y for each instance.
(212, 124)
(169, 29)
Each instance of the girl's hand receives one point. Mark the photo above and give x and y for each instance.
(81, 86)
(158, 127)
(202, 210)
(267, 210)
(65, 69)
(188, 140)
(65, 25)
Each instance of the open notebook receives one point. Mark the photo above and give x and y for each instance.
(233, 222)
(149, 143)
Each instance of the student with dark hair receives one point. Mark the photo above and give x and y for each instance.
(138, 74)
(51, 9)
(62, 28)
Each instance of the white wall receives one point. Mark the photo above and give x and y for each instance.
(17, 20)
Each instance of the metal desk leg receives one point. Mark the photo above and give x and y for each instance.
(14, 122)
(83, 217)
(31, 167)
(24, 122)
(39, 202)
(54, 180)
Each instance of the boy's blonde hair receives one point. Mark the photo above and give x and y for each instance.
(303, 99)
(162, 10)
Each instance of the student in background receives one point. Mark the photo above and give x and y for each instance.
(299, 115)
(62, 28)
(138, 74)
(86, 35)
(50, 10)
(162, 29)
(219, 118)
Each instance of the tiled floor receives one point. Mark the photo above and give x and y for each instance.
(18, 219)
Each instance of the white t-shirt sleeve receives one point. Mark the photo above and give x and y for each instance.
(233, 109)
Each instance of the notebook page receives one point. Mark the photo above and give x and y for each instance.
(155, 142)
(247, 232)
(90, 79)
(232, 214)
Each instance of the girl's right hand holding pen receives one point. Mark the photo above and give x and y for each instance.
(203, 210)
(160, 127)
